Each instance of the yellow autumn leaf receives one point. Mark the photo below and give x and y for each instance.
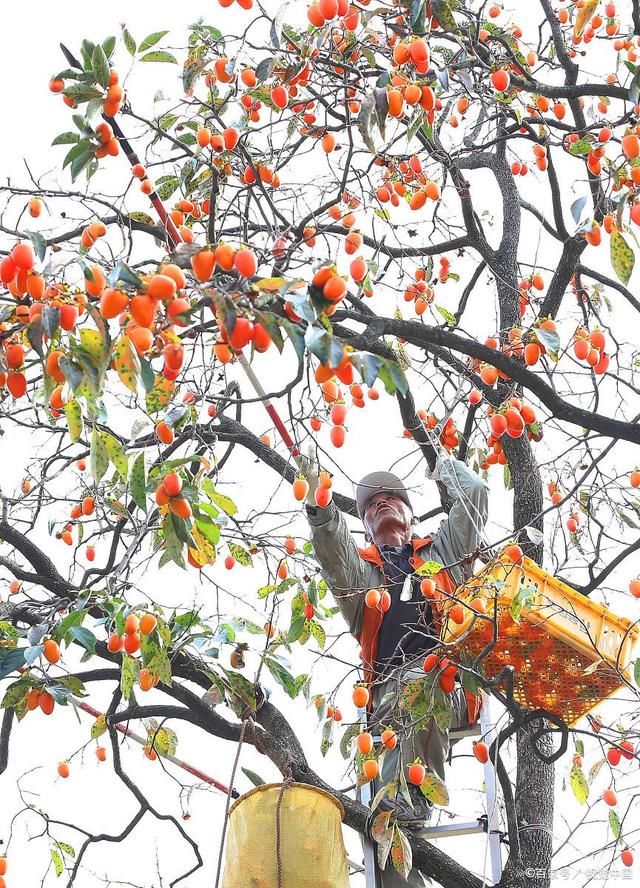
(583, 15)
(274, 285)
(92, 342)
(126, 363)
(205, 552)
(434, 789)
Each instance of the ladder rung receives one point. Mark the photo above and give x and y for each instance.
(459, 733)
(355, 867)
(448, 830)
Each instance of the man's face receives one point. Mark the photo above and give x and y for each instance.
(386, 514)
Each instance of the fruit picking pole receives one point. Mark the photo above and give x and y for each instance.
(85, 707)
(175, 238)
(132, 157)
(268, 406)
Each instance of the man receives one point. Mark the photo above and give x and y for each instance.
(394, 643)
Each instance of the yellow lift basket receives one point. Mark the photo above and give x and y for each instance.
(312, 851)
(568, 651)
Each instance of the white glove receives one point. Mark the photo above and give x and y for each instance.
(310, 468)
(441, 462)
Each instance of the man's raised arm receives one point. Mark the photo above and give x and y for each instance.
(342, 567)
(460, 533)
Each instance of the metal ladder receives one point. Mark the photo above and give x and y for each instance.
(489, 823)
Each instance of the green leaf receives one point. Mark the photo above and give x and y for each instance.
(56, 857)
(622, 257)
(74, 685)
(579, 784)
(66, 139)
(242, 689)
(129, 42)
(16, 691)
(398, 379)
(144, 218)
(614, 823)
(253, 777)
(122, 274)
(580, 147)
(80, 163)
(411, 692)
(109, 44)
(161, 393)
(151, 40)
(428, 569)
(165, 740)
(84, 637)
(62, 631)
(296, 629)
(209, 529)
(348, 736)
(39, 244)
(160, 665)
(450, 319)
(82, 92)
(317, 631)
(73, 413)
(138, 482)
(117, 455)
(81, 147)
(147, 376)
(524, 597)
(128, 675)
(99, 727)
(226, 504)
(8, 635)
(67, 849)
(636, 672)
(442, 711)
(159, 56)
(99, 455)
(172, 543)
(240, 554)
(284, 678)
(327, 736)
(166, 185)
(100, 65)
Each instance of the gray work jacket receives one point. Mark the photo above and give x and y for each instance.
(459, 535)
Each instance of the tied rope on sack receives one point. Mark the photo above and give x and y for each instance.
(247, 719)
(286, 783)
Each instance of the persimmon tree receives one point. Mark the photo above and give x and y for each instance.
(430, 205)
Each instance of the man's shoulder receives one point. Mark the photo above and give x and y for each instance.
(421, 542)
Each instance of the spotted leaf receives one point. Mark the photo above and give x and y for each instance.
(160, 394)
(622, 257)
(126, 363)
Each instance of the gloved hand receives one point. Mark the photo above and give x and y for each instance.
(443, 459)
(310, 468)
